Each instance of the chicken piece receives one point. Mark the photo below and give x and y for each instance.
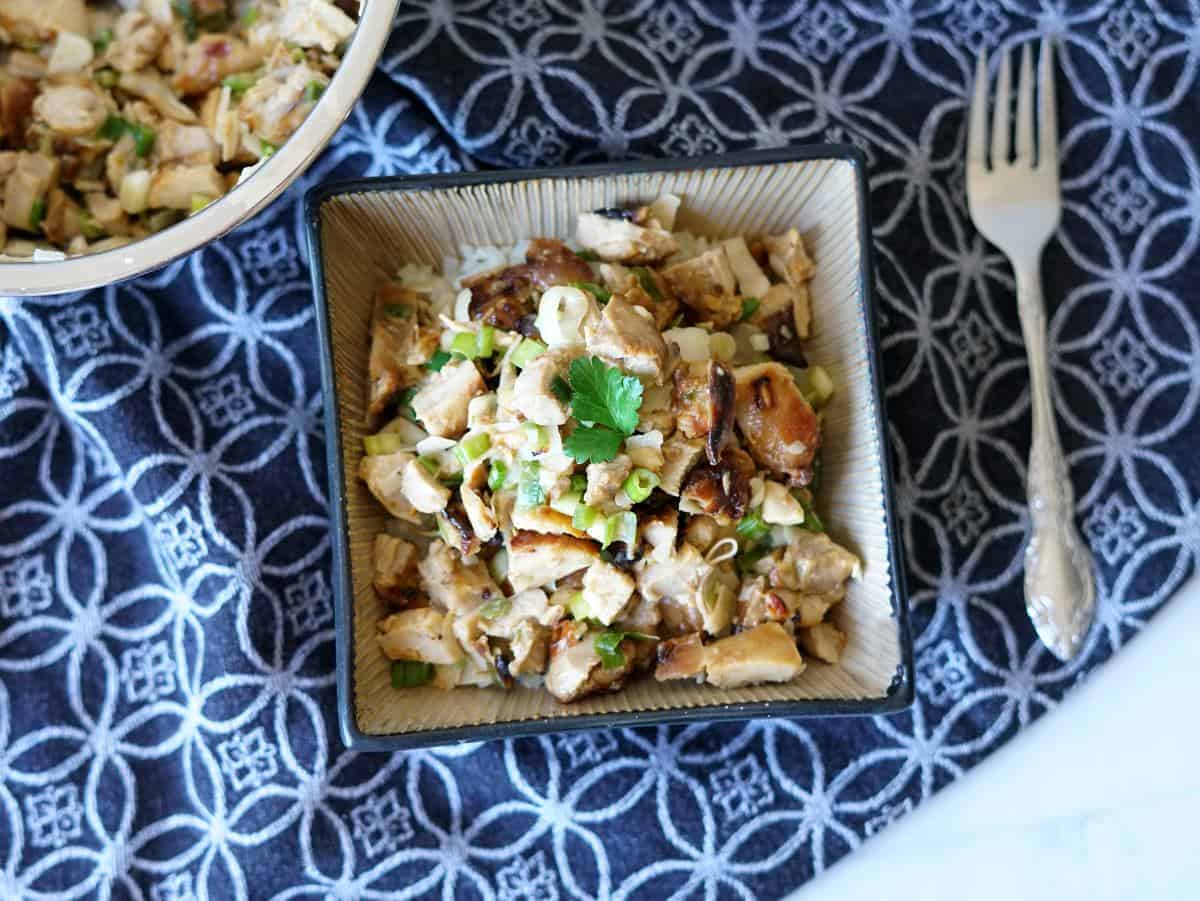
(315, 23)
(211, 57)
(679, 455)
(16, 110)
(825, 641)
(765, 653)
(62, 220)
(72, 54)
(533, 395)
(149, 86)
(535, 559)
(421, 634)
(525, 605)
(71, 109)
(35, 21)
(176, 186)
(576, 670)
(421, 487)
(784, 317)
(606, 591)
(642, 616)
(384, 475)
(751, 280)
(279, 101)
(441, 403)
(604, 480)
(454, 583)
(788, 258)
(612, 236)
(136, 41)
(544, 520)
(395, 568)
(107, 213)
(692, 593)
(400, 343)
(702, 532)
(31, 180)
(659, 531)
(705, 285)
(681, 658)
(483, 521)
(627, 338)
(758, 602)
(721, 491)
(190, 144)
(657, 412)
(779, 507)
(704, 397)
(813, 564)
(456, 530)
(530, 646)
(780, 428)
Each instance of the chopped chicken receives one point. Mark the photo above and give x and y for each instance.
(814, 564)
(781, 429)
(152, 88)
(692, 594)
(535, 559)
(420, 634)
(34, 20)
(209, 59)
(441, 403)
(483, 521)
(784, 317)
(765, 653)
(788, 258)
(384, 475)
(575, 669)
(706, 285)
(704, 397)
(721, 491)
(627, 337)
(136, 41)
(534, 394)
(315, 23)
(454, 583)
(779, 507)
(190, 144)
(660, 531)
(606, 591)
(395, 563)
(825, 641)
(400, 343)
(73, 110)
(751, 281)
(615, 238)
(279, 102)
(544, 520)
(681, 658)
(177, 187)
(604, 480)
(680, 456)
(525, 605)
(30, 182)
(530, 646)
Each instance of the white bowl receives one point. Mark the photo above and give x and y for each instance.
(246, 199)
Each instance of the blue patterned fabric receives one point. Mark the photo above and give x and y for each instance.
(166, 655)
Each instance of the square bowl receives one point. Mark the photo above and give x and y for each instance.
(361, 232)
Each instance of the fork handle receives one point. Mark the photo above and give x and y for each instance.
(1060, 592)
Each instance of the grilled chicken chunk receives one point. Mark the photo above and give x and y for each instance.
(780, 428)
(576, 669)
(825, 641)
(395, 564)
(706, 286)
(535, 559)
(454, 583)
(441, 403)
(615, 238)
(420, 634)
(626, 337)
(765, 653)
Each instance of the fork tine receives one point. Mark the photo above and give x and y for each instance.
(1047, 107)
(1001, 127)
(977, 124)
(1025, 107)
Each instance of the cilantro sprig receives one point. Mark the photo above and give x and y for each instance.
(606, 401)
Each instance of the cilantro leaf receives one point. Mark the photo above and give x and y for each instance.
(601, 394)
(592, 444)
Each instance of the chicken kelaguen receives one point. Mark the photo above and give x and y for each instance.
(600, 460)
(118, 119)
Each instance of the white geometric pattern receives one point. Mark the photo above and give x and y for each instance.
(143, 425)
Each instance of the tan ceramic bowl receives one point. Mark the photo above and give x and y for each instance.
(361, 232)
(284, 166)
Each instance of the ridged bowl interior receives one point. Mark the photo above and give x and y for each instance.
(365, 235)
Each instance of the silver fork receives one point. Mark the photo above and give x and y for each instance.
(1016, 205)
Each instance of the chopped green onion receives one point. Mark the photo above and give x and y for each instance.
(297, 54)
(640, 483)
(89, 227)
(589, 256)
(497, 475)
(113, 128)
(536, 436)
(37, 212)
(601, 294)
(495, 608)
(750, 306)
(526, 351)
(106, 78)
(472, 448)
(240, 82)
(184, 8)
(608, 647)
(745, 561)
(567, 503)
(578, 606)
(397, 311)
(250, 16)
(530, 492)
(313, 91)
(579, 483)
(815, 384)
(143, 138)
(383, 443)
(485, 342)
(410, 673)
(266, 148)
(621, 527)
(431, 465)
(464, 345)
(649, 285)
(200, 201)
(103, 38)
(561, 389)
(439, 359)
(583, 518)
(812, 522)
(751, 526)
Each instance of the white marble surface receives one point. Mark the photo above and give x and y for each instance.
(1098, 800)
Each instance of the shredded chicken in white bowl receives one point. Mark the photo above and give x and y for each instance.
(602, 459)
(120, 119)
